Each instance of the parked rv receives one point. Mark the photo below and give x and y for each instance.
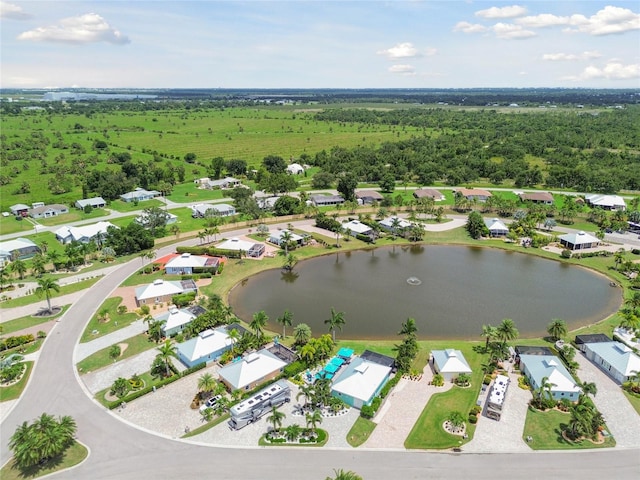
(254, 407)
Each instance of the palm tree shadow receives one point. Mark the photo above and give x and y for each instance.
(289, 277)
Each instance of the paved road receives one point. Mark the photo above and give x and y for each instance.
(118, 450)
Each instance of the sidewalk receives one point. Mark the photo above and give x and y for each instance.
(83, 350)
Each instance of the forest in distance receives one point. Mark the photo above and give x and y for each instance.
(63, 151)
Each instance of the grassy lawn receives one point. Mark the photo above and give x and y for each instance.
(24, 350)
(73, 216)
(64, 290)
(206, 426)
(21, 323)
(74, 455)
(634, 400)
(189, 192)
(323, 438)
(11, 225)
(14, 391)
(360, 431)
(116, 320)
(120, 206)
(545, 429)
(135, 345)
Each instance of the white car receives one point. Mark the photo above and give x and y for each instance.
(210, 403)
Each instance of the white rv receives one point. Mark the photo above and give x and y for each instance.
(254, 407)
(495, 404)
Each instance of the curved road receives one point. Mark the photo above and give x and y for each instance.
(121, 451)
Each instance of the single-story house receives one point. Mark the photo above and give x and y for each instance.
(207, 347)
(161, 291)
(367, 197)
(174, 320)
(275, 237)
(46, 211)
(527, 350)
(607, 202)
(252, 249)
(19, 209)
(188, 264)
(21, 248)
(360, 382)
(222, 183)
(142, 219)
(295, 169)
(544, 198)
(84, 234)
(449, 363)
(429, 193)
(139, 195)
(389, 224)
(578, 241)
(266, 202)
(582, 340)
(220, 209)
(496, 227)
(370, 356)
(537, 367)
(95, 202)
(252, 370)
(356, 227)
(614, 358)
(475, 194)
(326, 200)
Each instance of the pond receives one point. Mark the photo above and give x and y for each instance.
(451, 291)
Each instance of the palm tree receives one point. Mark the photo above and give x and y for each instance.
(258, 323)
(206, 384)
(103, 315)
(313, 419)
(618, 257)
(44, 439)
(38, 265)
(53, 256)
(335, 321)
(507, 330)
(19, 267)
(630, 320)
(456, 419)
(490, 333)
(286, 320)
(175, 229)
(634, 301)
(409, 328)
(292, 432)
(302, 333)
(201, 236)
(305, 391)
(342, 475)
(46, 285)
(557, 328)
(290, 262)
(588, 388)
(285, 240)
(276, 418)
(167, 351)
(307, 352)
(234, 336)
(395, 226)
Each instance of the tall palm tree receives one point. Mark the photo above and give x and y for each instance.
(285, 239)
(307, 352)
(630, 321)
(258, 323)
(167, 352)
(618, 257)
(47, 285)
(19, 267)
(234, 336)
(588, 388)
(313, 419)
(490, 333)
(395, 226)
(276, 418)
(53, 256)
(335, 321)
(286, 320)
(305, 391)
(507, 330)
(557, 328)
(206, 383)
(409, 328)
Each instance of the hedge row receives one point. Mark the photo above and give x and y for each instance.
(213, 251)
(369, 411)
(17, 341)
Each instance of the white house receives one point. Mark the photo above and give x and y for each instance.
(207, 347)
(188, 264)
(326, 200)
(174, 320)
(161, 291)
(608, 202)
(578, 241)
(95, 202)
(142, 219)
(360, 382)
(295, 169)
(19, 209)
(450, 363)
(19, 248)
(275, 237)
(219, 209)
(614, 358)
(538, 367)
(496, 227)
(253, 370)
(389, 224)
(220, 184)
(46, 211)
(84, 234)
(139, 195)
(251, 249)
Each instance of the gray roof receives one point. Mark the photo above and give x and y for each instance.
(618, 355)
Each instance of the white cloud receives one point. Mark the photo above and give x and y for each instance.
(14, 12)
(502, 12)
(609, 20)
(403, 69)
(555, 57)
(510, 31)
(401, 50)
(467, 27)
(611, 71)
(88, 28)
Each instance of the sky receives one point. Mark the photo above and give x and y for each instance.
(319, 44)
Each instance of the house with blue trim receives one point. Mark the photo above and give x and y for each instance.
(139, 195)
(360, 382)
(207, 347)
(186, 264)
(449, 363)
(537, 367)
(614, 358)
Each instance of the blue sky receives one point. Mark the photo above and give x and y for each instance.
(319, 44)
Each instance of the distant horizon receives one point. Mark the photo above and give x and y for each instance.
(284, 44)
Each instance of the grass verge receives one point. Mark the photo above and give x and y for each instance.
(545, 430)
(634, 400)
(323, 438)
(206, 426)
(14, 391)
(116, 320)
(74, 455)
(135, 345)
(21, 323)
(360, 431)
(64, 290)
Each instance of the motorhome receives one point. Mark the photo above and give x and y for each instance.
(254, 407)
(495, 404)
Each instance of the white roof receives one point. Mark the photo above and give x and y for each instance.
(90, 201)
(236, 244)
(175, 318)
(186, 260)
(579, 238)
(361, 379)
(15, 244)
(356, 227)
(158, 288)
(251, 368)
(618, 355)
(540, 366)
(277, 234)
(295, 168)
(605, 200)
(205, 343)
(450, 361)
(499, 390)
(495, 224)
(388, 222)
(86, 231)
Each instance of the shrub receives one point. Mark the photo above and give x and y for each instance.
(476, 409)
(566, 253)
(144, 309)
(486, 380)
(367, 412)
(438, 380)
(635, 251)
(41, 334)
(294, 369)
(122, 309)
(473, 419)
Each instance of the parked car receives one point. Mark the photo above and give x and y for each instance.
(211, 402)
